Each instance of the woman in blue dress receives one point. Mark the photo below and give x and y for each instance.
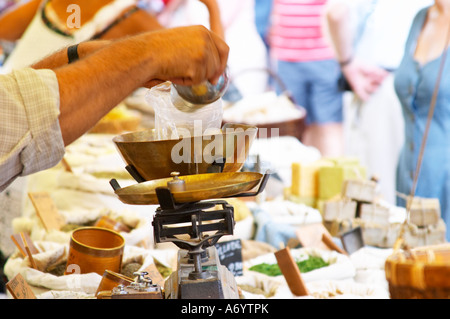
(415, 80)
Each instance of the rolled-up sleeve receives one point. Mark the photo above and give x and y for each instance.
(30, 134)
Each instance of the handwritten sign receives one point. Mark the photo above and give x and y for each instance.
(19, 289)
(230, 256)
(46, 210)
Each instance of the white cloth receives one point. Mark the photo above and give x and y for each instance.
(39, 41)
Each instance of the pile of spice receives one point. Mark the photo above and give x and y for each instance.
(312, 263)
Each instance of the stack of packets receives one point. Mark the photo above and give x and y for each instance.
(382, 223)
(340, 190)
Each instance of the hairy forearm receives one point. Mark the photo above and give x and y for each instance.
(92, 86)
(60, 58)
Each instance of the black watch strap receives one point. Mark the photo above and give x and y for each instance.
(72, 53)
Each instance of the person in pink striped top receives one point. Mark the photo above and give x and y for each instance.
(305, 63)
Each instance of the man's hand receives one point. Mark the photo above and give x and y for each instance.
(189, 55)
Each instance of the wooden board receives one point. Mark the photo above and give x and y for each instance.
(18, 240)
(291, 272)
(46, 210)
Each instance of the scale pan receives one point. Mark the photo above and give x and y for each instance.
(153, 159)
(198, 187)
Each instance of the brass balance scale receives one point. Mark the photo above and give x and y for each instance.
(192, 212)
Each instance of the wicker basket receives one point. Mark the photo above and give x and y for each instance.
(294, 127)
(422, 273)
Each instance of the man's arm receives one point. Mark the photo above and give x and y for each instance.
(60, 58)
(92, 86)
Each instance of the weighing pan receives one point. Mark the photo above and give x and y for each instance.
(148, 158)
(197, 187)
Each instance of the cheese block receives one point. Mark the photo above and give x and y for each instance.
(305, 178)
(331, 178)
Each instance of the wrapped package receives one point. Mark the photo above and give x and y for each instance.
(424, 211)
(359, 190)
(339, 210)
(375, 213)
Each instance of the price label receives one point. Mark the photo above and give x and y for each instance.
(19, 288)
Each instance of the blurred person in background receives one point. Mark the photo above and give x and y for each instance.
(415, 81)
(5, 4)
(305, 63)
(263, 10)
(368, 37)
(248, 54)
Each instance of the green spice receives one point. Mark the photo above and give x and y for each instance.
(305, 266)
(311, 263)
(270, 270)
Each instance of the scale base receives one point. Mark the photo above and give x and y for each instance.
(216, 282)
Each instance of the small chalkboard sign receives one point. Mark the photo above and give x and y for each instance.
(352, 240)
(230, 256)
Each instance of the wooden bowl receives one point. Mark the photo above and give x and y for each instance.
(95, 249)
(109, 223)
(294, 127)
(422, 273)
(111, 279)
